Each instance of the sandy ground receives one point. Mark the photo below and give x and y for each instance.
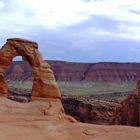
(27, 121)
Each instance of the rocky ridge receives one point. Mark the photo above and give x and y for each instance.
(70, 71)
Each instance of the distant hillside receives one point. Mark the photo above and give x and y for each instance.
(71, 71)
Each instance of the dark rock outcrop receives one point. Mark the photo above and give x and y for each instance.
(95, 111)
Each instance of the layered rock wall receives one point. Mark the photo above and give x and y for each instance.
(69, 71)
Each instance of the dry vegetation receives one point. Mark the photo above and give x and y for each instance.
(88, 90)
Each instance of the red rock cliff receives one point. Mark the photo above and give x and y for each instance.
(69, 71)
(128, 112)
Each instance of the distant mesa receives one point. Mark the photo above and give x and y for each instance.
(73, 71)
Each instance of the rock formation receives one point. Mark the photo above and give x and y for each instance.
(44, 87)
(34, 121)
(128, 112)
(70, 71)
(44, 84)
(44, 118)
(95, 111)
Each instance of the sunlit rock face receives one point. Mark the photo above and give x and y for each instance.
(44, 84)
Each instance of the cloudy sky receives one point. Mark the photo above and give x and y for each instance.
(75, 30)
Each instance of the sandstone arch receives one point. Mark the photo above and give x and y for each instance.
(44, 84)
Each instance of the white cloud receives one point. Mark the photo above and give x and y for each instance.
(19, 17)
(50, 13)
(121, 10)
(58, 13)
(1, 4)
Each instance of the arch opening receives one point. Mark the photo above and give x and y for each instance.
(19, 79)
(17, 58)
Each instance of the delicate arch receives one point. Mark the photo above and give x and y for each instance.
(44, 84)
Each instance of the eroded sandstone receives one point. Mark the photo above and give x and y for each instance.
(28, 122)
(128, 112)
(44, 84)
